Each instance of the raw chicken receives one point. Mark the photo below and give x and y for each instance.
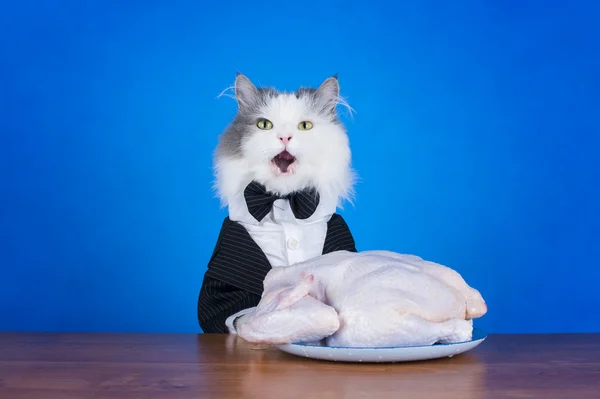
(365, 299)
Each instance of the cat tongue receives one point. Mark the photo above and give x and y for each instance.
(285, 155)
(283, 160)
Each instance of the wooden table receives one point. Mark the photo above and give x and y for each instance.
(81, 366)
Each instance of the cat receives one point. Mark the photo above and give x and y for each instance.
(282, 167)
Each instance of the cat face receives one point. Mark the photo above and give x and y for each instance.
(285, 141)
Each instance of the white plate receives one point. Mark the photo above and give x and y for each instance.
(388, 355)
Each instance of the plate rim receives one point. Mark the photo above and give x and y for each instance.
(481, 336)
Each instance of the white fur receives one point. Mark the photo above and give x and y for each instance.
(323, 156)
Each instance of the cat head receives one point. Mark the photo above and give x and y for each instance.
(285, 141)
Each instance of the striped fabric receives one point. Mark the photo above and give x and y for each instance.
(338, 236)
(237, 268)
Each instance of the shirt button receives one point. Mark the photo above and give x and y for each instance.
(292, 243)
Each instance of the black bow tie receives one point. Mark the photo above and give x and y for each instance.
(260, 201)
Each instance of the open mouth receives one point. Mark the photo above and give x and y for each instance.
(283, 160)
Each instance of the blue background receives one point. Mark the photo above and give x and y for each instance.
(475, 136)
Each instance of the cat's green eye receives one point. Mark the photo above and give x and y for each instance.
(264, 124)
(305, 125)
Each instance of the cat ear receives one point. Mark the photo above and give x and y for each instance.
(245, 92)
(328, 94)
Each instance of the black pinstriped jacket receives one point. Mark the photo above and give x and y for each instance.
(238, 266)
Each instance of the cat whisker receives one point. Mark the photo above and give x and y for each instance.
(224, 93)
(344, 103)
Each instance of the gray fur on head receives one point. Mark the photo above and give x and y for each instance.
(250, 99)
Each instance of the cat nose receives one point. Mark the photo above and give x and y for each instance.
(285, 139)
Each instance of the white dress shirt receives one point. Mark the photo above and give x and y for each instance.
(284, 239)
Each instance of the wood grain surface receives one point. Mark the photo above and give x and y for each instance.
(123, 366)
